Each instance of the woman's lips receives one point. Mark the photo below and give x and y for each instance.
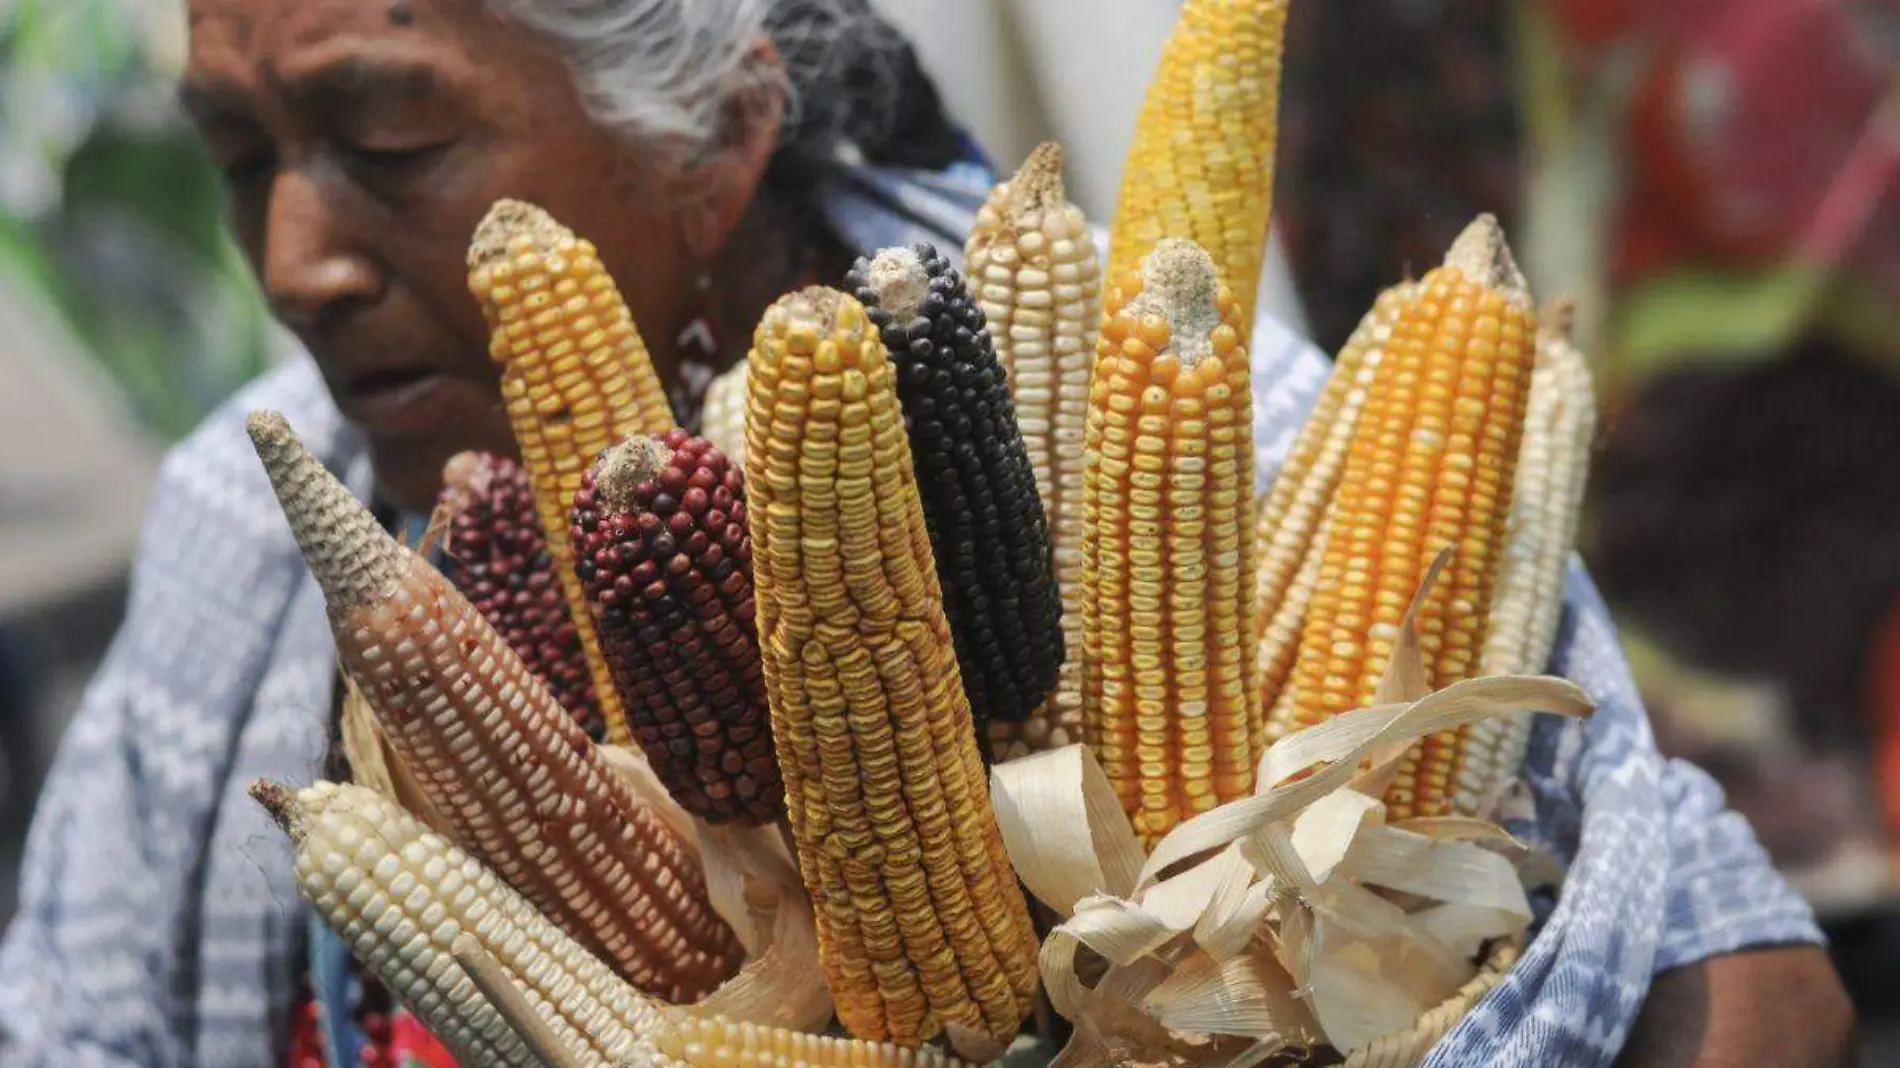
(410, 401)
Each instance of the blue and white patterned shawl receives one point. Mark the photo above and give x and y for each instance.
(160, 927)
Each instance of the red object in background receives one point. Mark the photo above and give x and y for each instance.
(396, 1041)
(306, 1036)
(1746, 117)
(1884, 697)
(412, 1046)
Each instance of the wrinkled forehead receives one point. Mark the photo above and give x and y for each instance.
(280, 34)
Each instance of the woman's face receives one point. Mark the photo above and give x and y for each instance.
(361, 142)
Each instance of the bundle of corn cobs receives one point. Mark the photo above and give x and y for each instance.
(965, 589)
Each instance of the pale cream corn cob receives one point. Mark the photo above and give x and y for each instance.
(1552, 468)
(1033, 267)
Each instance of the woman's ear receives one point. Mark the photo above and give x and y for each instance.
(716, 188)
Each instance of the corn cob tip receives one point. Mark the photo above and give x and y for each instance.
(354, 560)
(1558, 320)
(898, 277)
(622, 468)
(1037, 185)
(280, 803)
(1180, 284)
(1482, 252)
(817, 308)
(509, 221)
(466, 478)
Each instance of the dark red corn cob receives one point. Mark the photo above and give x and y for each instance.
(660, 542)
(497, 555)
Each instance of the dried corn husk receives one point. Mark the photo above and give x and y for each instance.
(755, 887)
(1255, 928)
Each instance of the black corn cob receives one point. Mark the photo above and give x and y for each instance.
(660, 543)
(987, 528)
(498, 556)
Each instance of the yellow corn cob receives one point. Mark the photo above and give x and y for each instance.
(399, 896)
(406, 900)
(722, 416)
(922, 929)
(700, 1042)
(1430, 466)
(1552, 468)
(1201, 166)
(522, 785)
(1032, 265)
(1289, 541)
(576, 378)
(1167, 551)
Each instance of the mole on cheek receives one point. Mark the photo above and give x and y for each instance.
(400, 15)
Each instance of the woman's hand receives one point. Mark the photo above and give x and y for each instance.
(1771, 1008)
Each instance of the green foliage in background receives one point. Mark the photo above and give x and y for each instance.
(110, 210)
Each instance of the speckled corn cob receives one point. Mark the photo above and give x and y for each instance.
(1289, 539)
(1430, 466)
(402, 897)
(1552, 467)
(1201, 166)
(987, 530)
(922, 928)
(717, 1043)
(722, 416)
(659, 530)
(527, 792)
(576, 378)
(399, 895)
(497, 554)
(1033, 268)
(1167, 557)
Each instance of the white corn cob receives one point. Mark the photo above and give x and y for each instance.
(1290, 536)
(1033, 267)
(712, 1042)
(402, 897)
(399, 894)
(1552, 469)
(722, 416)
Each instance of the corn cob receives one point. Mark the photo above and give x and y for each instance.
(659, 530)
(576, 378)
(407, 902)
(700, 1042)
(988, 533)
(400, 896)
(1167, 549)
(1201, 165)
(1034, 270)
(497, 555)
(922, 928)
(1430, 466)
(526, 791)
(1552, 468)
(722, 417)
(1289, 538)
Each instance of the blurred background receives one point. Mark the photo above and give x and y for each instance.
(1713, 179)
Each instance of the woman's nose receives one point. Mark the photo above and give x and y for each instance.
(314, 264)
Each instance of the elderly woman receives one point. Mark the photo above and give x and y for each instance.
(719, 152)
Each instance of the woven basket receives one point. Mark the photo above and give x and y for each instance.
(1409, 1047)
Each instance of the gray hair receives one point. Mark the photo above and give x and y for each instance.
(667, 71)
